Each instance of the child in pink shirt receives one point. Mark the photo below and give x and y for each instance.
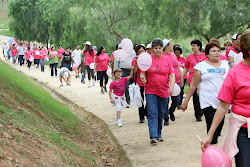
(116, 93)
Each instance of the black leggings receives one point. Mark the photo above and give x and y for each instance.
(52, 67)
(103, 74)
(29, 63)
(209, 115)
(143, 109)
(90, 73)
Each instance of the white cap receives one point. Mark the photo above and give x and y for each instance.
(234, 36)
(87, 43)
(149, 46)
(119, 46)
(165, 42)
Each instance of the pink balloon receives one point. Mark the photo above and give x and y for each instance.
(144, 61)
(120, 55)
(215, 157)
(75, 66)
(127, 45)
(54, 54)
(92, 66)
(177, 90)
(109, 72)
(46, 58)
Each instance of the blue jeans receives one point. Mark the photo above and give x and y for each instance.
(156, 107)
(21, 60)
(242, 158)
(14, 59)
(42, 62)
(83, 76)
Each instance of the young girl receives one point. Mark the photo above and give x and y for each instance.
(116, 92)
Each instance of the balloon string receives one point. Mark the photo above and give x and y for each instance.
(198, 137)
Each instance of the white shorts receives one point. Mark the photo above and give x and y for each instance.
(119, 101)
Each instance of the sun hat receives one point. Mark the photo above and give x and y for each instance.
(87, 43)
(149, 46)
(165, 42)
(234, 36)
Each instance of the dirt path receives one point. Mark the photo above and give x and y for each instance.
(181, 147)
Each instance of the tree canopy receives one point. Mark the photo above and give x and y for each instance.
(71, 22)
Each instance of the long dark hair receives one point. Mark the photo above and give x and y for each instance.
(90, 49)
(100, 50)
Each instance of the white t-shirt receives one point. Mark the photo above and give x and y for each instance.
(238, 57)
(64, 72)
(20, 50)
(211, 82)
(77, 56)
(5, 48)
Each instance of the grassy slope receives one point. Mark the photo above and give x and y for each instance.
(25, 103)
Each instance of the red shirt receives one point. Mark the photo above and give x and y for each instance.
(119, 87)
(222, 57)
(34, 54)
(89, 58)
(158, 77)
(28, 53)
(175, 64)
(228, 50)
(60, 52)
(191, 61)
(102, 62)
(182, 61)
(236, 90)
(137, 76)
(13, 52)
(42, 54)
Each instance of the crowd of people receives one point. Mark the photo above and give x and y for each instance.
(216, 80)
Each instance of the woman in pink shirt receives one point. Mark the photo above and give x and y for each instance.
(157, 89)
(13, 53)
(167, 51)
(181, 60)
(139, 49)
(192, 60)
(43, 53)
(60, 51)
(101, 66)
(235, 89)
(36, 57)
(28, 54)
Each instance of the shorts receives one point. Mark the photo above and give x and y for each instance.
(119, 101)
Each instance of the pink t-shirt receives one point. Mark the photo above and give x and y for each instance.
(89, 58)
(112, 55)
(49, 50)
(182, 61)
(222, 57)
(175, 64)
(13, 52)
(137, 76)
(34, 54)
(236, 89)
(42, 54)
(119, 87)
(191, 61)
(158, 77)
(28, 53)
(228, 50)
(102, 62)
(60, 52)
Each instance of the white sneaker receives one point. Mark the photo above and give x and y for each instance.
(93, 83)
(61, 85)
(119, 122)
(89, 85)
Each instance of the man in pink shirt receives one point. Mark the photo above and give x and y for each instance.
(192, 60)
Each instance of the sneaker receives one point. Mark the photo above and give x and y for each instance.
(89, 85)
(172, 117)
(52, 76)
(141, 121)
(68, 84)
(166, 123)
(105, 89)
(127, 106)
(153, 141)
(93, 83)
(198, 120)
(56, 76)
(78, 76)
(179, 107)
(102, 92)
(119, 122)
(160, 139)
(61, 85)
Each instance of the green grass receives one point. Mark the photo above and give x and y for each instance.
(7, 33)
(26, 103)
